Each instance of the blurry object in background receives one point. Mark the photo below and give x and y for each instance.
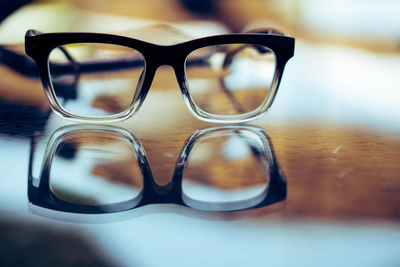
(23, 106)
(204, 7)
(162, 33)
(220, 169)
(17, 61)
(373, 24)
(30, 244)
(155, 10)
(105, 17)
(21, 84)
(112, 74)
(366, 24)
(21, 120)
(40, 15)
(19, 103)
(8, 7)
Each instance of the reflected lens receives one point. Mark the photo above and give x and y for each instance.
(95, 80)
(230, 79)
(227, 170)
(95, 168)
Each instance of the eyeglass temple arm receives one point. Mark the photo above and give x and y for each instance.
(18, 62)
(24, 65)
(231, 54)
(74, 64)
(261, 49)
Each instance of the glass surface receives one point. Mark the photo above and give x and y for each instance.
(230, 79)
(226, 167)
(95, 168)
(95, 80)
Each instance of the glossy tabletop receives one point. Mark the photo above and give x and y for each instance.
(324, 162)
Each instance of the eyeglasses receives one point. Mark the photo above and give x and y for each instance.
(102, 78)
(108, 171)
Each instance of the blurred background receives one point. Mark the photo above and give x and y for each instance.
(371, 25)
(334, 126)
(346, 60)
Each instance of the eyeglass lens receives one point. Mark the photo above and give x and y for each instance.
(230, 79)
(95, 80)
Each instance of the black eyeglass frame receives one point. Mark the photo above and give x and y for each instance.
(38, 46)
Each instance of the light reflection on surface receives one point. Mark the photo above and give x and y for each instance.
(234, 169)
(87, 180)
(105, 169)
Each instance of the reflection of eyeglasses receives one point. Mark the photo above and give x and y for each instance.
(244, 176)
(224, 78)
